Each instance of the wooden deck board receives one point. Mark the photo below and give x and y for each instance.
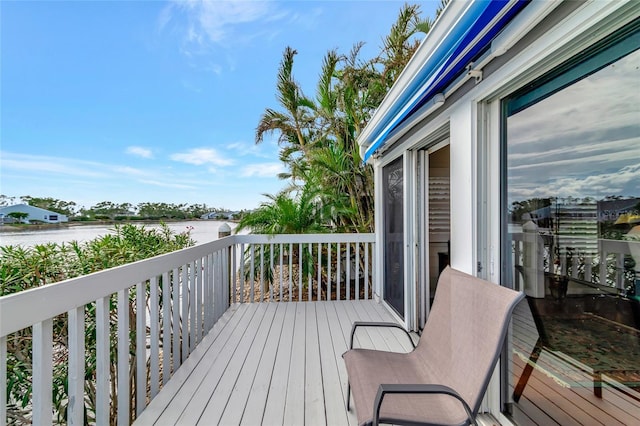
(270, 363)
(336, 413)
(294, 403)
(257, 398)
(219, 372)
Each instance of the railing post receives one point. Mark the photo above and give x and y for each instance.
(224, 231)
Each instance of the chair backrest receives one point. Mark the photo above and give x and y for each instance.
(465, 332)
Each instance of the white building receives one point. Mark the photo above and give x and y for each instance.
(35, 213)
(505, 103)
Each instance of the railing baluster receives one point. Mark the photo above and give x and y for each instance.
(204, 286)
(123, 357)
(175, 309)
(328, 271)
(184, 317)
(261, 272)
(234, 270)
(218, 282)
(588, 263)
(319, 269)
(309, 286)
(338, 271)
(3, 379)
(366, 271)
(42, 372)
(198, 287)
(216, 286)
(208, 299)
(224, 280)
(166, 327)
(75, 413)
(252, 278)
(193, 301)
(141, 348)
(290, 272)
(357, 271)
(103, 361)
(242, 275)
(154, 350)
(619, 274)
(300, 272)
(272, 283)
(281, 272)
(348, 266)
(603, 266)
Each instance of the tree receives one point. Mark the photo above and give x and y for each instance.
(318, 136)
(110, 209)
(66, 208)
(287, 213)
(5, 200)
(19, 216)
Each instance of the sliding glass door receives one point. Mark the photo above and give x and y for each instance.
(571, 239)
(393, 176)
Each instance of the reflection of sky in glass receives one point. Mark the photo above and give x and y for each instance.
(583, 141)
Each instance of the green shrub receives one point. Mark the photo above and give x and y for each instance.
(22, 268)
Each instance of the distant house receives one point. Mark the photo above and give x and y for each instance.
(219, 215)
(35, 213)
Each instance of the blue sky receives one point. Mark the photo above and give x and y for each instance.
(154, 101)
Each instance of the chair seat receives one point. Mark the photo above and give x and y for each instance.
(368, 369)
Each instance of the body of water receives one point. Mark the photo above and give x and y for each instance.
(202, 231)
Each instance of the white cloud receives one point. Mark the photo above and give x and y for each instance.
(139, 151)
(262, 170)
(202, 156)
(266, 149)
(167, 184)
(215, 20)
(40, 164)
(130, 171)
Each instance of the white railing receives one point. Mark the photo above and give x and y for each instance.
(605, 267)
(128, 329)
(303, 267)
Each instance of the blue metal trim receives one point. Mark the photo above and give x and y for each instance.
(433, 76)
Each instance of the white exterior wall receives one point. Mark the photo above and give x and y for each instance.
(463, 188)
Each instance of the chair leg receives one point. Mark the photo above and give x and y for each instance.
(528, 369)
(597, 384)
(348, 397)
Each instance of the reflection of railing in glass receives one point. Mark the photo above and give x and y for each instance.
(617, 275)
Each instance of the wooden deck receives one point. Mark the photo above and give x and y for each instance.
(559, 392)
(272, 364)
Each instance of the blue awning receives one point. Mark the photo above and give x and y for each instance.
(467, 38)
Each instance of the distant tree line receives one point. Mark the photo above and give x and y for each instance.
(108, 210)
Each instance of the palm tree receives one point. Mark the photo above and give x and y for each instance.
(317, 137)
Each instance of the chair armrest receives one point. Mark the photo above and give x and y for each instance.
(377, 324)
(416, 389)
